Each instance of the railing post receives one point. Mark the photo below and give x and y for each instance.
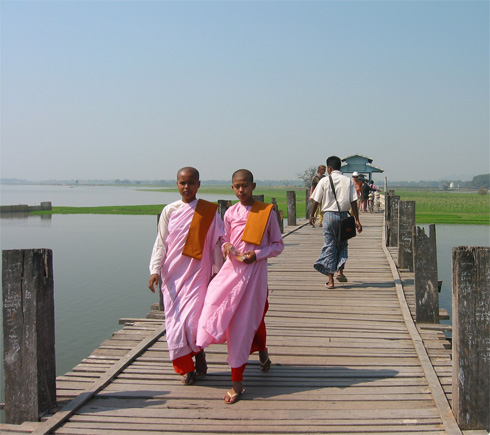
(291, 195)
(406, 213)
(307, 204)
(388, 196)
(394, 203)
(471, 336)
(425, 275)
(223, 205)
(279, 214)
(28, 334)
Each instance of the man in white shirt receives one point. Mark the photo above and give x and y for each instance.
(334, 253)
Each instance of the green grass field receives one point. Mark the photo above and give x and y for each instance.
(449, 207)
(431, 207)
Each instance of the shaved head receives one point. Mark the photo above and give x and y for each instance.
(189, 170)
(243, 173)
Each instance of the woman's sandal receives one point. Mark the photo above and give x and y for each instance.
(189, 378)
(233, 396)
(201, 365)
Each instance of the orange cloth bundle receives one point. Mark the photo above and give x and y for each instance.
(201, 221)
(257, 222)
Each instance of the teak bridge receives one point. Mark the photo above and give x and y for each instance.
(349, 360)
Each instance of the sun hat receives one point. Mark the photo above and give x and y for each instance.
(355, 174)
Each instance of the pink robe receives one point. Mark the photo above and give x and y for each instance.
(185, 279)
(236, 297)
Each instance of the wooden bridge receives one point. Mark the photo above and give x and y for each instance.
(345, 361)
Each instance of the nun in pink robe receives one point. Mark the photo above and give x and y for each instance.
(184, 279)
(236, 297)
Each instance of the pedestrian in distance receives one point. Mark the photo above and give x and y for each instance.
(373, 190)
(314, 181)
(357, 184)
(365, 190)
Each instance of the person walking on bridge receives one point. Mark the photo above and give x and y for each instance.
(236, 300)
(185, 256)
(314, 181)
(334, 253)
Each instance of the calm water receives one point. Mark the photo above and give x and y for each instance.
(88, 196)
(101, 262)
(447, 237)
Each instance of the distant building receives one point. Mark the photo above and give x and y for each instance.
(360, 164)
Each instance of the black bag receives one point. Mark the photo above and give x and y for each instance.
(347, 228)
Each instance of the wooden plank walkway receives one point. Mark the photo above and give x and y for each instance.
(345, 361)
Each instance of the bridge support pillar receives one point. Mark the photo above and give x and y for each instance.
(28, 333)
(471, 336)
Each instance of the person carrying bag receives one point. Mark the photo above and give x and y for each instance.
(336, 193)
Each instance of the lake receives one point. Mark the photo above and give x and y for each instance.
(101, 261)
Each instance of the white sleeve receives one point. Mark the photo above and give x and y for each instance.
(160, 246)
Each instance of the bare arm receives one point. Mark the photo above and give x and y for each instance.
(313, 211)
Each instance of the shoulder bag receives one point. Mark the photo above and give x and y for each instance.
(347, 228)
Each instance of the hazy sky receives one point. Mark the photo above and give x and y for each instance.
(138, 89)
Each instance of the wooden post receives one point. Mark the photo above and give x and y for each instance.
(291, 195)
(425, 275)
(394, 204)
(388, 196)
(471, 337)
(223, 205)
(406, 212)
(28, 334)
(279, 214)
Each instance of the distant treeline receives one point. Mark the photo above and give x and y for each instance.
(159, 183)
(478, 182)
(291, 183)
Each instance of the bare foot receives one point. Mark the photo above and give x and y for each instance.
(201, 365)
(189, 378)
(264, 360)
